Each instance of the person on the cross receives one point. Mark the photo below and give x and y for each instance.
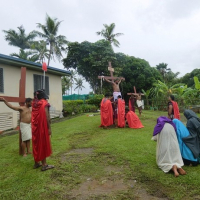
(116, 89)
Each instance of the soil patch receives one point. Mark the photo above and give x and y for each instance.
(113, 184)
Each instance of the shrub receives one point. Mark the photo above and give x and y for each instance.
(95, 100)
(77, 106)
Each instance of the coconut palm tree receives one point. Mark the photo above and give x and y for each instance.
(79, 84)
(27, 55)
(19, 39)
(50, 35)
(108, 34)
(41, 50)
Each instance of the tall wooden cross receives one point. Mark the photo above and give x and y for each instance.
(20, 99)
(111, 77)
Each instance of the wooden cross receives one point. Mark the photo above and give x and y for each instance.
(135, 93)
(111, 77)
(20, 99)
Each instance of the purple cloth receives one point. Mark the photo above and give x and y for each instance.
(160, 124)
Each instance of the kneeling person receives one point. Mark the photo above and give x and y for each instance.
(133, 120)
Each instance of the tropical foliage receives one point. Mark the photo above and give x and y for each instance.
(19, 38)
(49, 34)
(108, 34)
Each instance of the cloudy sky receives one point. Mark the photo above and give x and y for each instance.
(156, 30)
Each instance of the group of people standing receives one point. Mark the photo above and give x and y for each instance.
(35, 125)
(177, 144)
(114, 112)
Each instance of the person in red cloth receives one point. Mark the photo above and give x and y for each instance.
(132, 119)
(131, 102)
(41, 130)
(120, 112)
(173, 109)
(106, 112)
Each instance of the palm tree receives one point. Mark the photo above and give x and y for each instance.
(41, 49)
(162, 68)
(19, 39)
(108, 34)
(72, 78)
(49, 34)
(27, 55)
(79, 84)
(66, 84)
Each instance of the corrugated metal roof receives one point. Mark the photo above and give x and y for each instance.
(9, 60)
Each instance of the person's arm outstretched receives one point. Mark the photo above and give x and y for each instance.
(17, 108)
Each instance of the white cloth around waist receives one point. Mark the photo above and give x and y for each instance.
(26, 132)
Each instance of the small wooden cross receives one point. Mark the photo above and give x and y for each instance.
(111, 77)
(135, 93)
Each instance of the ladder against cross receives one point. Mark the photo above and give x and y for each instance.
(111, 77)
(20, 99)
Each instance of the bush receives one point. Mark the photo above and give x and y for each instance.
(95, 100)
(77, 107)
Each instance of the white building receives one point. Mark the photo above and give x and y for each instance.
(10, 74)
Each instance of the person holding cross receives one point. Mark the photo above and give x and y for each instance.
(115, 85)
(25, 123)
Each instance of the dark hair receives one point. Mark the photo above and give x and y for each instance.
(172, 97)
(119, 96)
(107, 95)
(28, 100)
(40, 94)
(126, 109)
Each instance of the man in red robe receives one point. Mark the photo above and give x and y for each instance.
(173, 109)
(131, 103)
(133, 120)
(120, 112)
(41, 130)
(106, 112)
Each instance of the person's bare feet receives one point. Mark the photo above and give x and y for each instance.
(25, 155)
(174, 169)
(181, 171)
(29, 152)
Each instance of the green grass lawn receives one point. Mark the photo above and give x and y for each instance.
(83, 153)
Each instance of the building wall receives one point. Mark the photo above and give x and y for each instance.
(11, 88)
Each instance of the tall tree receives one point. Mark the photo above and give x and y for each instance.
(49, 33)
(41, 50)
(19, 38)
(79, 84)
(162, 68)
(108, 34)
(90, 60)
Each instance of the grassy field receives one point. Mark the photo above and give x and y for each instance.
(94, 163)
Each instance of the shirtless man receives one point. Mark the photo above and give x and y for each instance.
(25, 123)
(139, 103)
(115, 84)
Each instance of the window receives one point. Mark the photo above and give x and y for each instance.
(38, 83)
(1, 81)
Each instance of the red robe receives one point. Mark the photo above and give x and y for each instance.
(106, 113)
(131, 105)
(40, 133)
(176, 110)
(121, 113)
(133, 120)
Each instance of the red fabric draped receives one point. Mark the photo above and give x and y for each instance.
(106, 112)
(40, 135)
(133, 120)
(131, 105)
(176, 110)
(121, 113)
